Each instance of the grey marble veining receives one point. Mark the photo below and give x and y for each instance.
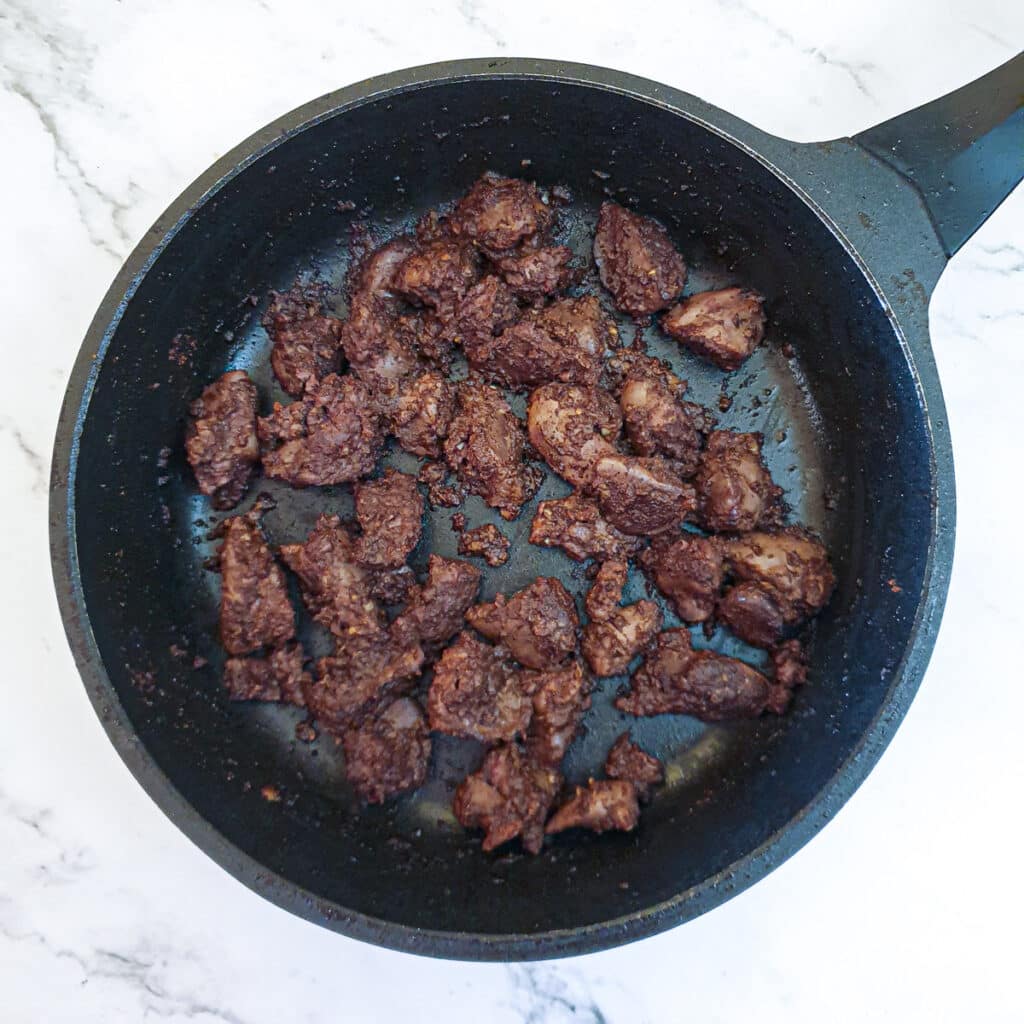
(903, 909)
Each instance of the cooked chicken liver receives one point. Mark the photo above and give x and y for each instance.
(576, 525)
(537, 624)
(388, 753)
(485, 447)
(601, 806)
(332, 436)
(627, 761)
(477, 692)
(723, 327)
(255, 610)
(305, 342)
(637, 261)
(676, 679)
(221, 443)
(509, 796)
(442, 323)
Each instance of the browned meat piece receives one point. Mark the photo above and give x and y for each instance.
(440, 493)
(221, 443)
(676, 679)
(559, 700)
(332, 436)
(438, 274)
(430, 334)
(432, 226)
(789, 664)
(633, 363)
(534, 273)
(642, 497)
(286, 422)
(373, 277)
(656, 424)
(605, 592)
(723, 327)
(499, 213)
(735, 491)
(485, 447)
(432, 473)
(563, 342)
(610, 644)
(381, 342)
(390, 512)
(753, 613)
(381, 349)
(637, 261)
(688, 570)
(254, 607)
(435, 611)
(477, 692)
(445, 496)
(389, 753)
(526, 354)
(305, 342)
(580, 322)
(575, 525)
(484, 311)
(335, 588)
(365, 672)
(627, 761)
(701, 417)
(537, 624)
(792, 564)
(486, 541)
(602, 805)
(392, 586)
(279, 676)
(509, 796)
(422, 414)
(572, 428)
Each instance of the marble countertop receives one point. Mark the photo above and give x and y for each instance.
(906, 908)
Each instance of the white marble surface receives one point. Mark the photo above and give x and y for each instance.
(906, 908)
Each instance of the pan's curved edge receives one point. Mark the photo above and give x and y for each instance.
(286, 895)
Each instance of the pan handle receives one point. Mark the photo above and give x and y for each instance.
(964, 152)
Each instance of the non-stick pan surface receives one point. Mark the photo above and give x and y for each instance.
(836, 390)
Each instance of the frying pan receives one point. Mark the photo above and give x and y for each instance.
(846, 238)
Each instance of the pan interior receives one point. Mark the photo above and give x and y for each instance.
(831, 390)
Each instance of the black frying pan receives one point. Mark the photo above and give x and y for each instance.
(846, 238)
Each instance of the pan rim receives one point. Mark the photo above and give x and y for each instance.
(683, 906)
